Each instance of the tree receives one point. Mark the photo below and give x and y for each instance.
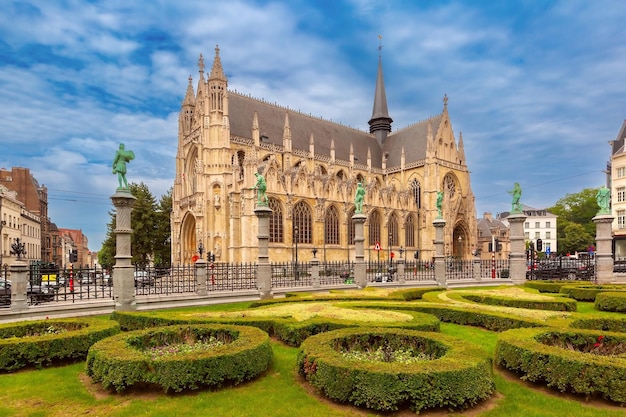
(106, 255)
(575, 229)
(143, 222)
(162, 241)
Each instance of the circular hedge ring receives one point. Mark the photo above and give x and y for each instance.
(439, 370)
(189, 357)
(588, 362)
(611, 301)
(44, 342)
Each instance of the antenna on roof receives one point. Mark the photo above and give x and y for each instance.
(380, 45)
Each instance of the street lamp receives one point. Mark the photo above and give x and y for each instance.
(200, 249)
(390, 252)
(401, 251)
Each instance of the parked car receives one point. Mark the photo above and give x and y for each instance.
(35, 294)
(143, 278)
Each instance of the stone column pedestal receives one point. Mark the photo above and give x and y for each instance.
(123, 271)
(440, 261)
(476, 265)
(264, 268)
(19, 285)
(315, 272)
(401, 279)
(201, 277)
(360, 275)
(604, 251)
(517, 258)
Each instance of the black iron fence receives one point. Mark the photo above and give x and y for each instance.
(336, 273)
(231, 277)
(419, 271)
(291, 274)
(562, 269)
(496, 268)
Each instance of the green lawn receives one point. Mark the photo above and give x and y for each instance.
(66, 391)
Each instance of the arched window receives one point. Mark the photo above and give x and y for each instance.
(351, 231)
(276, 221)
(409, 231)
(416, 190)
(331, 226)
(394, 238)
(374, 229)
(303, 219)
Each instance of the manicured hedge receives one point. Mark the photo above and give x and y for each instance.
(611, 301)
(459, 377)
(588, 292)
(45, 342)
(489, 320)
(611, 324)
(563, 304)
(289, 331)
(121, 361)
(552, 286)
(532, 353)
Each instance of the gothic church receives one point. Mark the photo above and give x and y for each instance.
(312, 167)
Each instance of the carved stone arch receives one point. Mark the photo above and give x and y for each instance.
(303, 219)
(190, 181)
(393, 228)
(451, 186)
(188, 240)
(332, 225)
(461, 240)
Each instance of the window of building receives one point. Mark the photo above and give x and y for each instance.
(409, 231)
(526, 235)
(393, 231)
(526, 225)
(331, 226)
(276, 221)
(537, 225)
(548, 235)
(548, 224)
(374, 229)
(537, 235)
(303, 220)
(621, 219)
(621, 194)
(351, 231)
(415, 189)
(621, 171)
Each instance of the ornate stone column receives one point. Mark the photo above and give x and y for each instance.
(517, 258)
(604, 252)
(401, 279)
(123, 277)
(315, 271)
(19, 284)
(440, 261)
(264, 268)
(360, 275)
(201, 277)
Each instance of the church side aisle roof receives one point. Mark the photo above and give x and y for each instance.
(413, 139)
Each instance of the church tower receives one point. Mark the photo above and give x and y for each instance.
(380, 123)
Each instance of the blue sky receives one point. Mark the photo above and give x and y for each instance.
(537, 88)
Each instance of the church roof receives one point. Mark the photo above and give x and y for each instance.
(413, 139)
(272, 124)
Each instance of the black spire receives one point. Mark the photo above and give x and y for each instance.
(380, 123)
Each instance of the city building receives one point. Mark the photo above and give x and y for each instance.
(35, 199)
(312, 167)
(16, 222)
(493, 238)
(539, 224)
(616, 182)
(76, 240)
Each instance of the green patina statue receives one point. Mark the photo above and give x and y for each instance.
(439, 204)
(516, 206)
(261, 188)
(358, 198)
(122, 157)
(603, 198)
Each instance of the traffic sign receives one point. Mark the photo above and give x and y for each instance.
(377, 246)
(548, 250)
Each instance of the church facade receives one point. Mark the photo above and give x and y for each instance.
(312, 168)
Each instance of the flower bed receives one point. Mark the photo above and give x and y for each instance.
(433, 370)
(192, 356)
(44, 342)
(580, 361)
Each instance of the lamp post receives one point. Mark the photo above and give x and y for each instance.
(390, 252)
(401, 251)
(200, 249)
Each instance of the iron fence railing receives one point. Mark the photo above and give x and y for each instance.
(231, 277)
(562, 268)
(290, 274)
(336, 272)
(496, 268)
(459, 269)
(419, 271)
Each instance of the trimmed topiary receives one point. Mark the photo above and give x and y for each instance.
(611, 301)
(45, 342)
(585, 362)
(125, 360)
(611, 324)
(552, 286)
(445, 371)
(562, 304)
(588, 292)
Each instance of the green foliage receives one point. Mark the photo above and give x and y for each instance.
(106, 255)
(611, 324)
(460, 377)
(562, 364)
(563, 304)
(611, 301)
(576, 210)
(122, 361)
(46, 342)
(552, 286)
(162, 238)
(588, 292)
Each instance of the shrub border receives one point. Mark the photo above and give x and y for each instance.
(289, 331)
(563, 304)
(567, 370)
(552, 286)
(47, 349)
(460, 378)
(116, 365)
(588, 292)
(611, 301)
